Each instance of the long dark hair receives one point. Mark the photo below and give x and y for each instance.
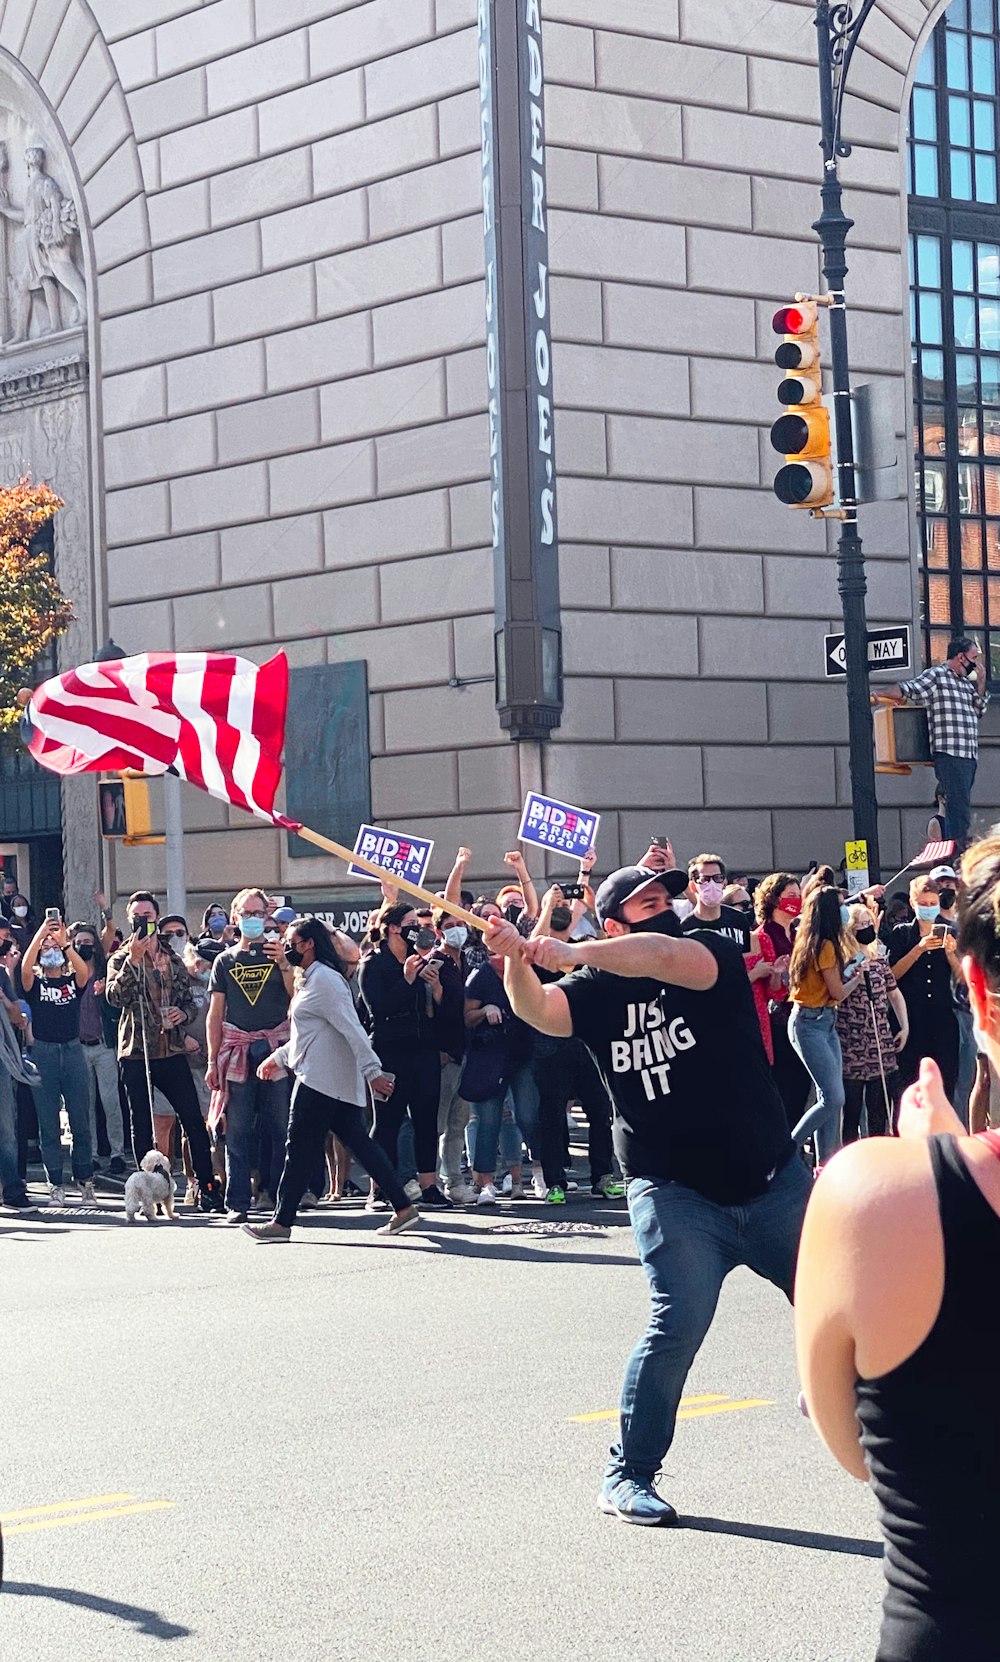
(820, 922)
(310, 928)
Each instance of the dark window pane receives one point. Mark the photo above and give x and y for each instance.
(961, 175)
(984, 66)
(986, 179)
(959, 121)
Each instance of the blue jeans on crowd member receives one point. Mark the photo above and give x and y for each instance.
(14, 1187)
(64, 1076)
(269, 1100)
(956, 775)
(687, 1246)
(511, 1141)
(489, 1116)
(813, 1036)
(968, 1050)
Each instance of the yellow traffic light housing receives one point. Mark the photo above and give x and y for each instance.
(802, 435)
(124, 811)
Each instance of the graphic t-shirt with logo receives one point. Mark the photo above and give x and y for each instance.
(255, 992)
(735, 926)
(55, 1009)
(693, 1094)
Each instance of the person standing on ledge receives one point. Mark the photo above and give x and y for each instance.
(954, 708)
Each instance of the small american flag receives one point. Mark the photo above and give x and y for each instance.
(934, 854)
(217, 720)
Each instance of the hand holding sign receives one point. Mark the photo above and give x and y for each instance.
(558, 826)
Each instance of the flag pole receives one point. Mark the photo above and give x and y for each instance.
(426, 895)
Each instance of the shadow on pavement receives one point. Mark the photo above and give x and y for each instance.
(785, 1537)
(144, 1621)
(466, 1241)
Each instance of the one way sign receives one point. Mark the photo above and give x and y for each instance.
(887, 649)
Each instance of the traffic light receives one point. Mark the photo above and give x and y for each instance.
(123, 809)
(802, 434)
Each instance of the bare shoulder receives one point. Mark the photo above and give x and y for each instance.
(870, 1185)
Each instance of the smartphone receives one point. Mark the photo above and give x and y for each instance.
(572, 891)
(659, 842)
(939, 931)
(144, 928)
(52, 914)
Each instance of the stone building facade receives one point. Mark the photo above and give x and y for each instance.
(281, 397)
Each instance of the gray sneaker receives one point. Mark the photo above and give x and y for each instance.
(87, 1195)
(398, 1222)
(57, 1194)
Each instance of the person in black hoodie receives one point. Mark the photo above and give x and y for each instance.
(401, 991)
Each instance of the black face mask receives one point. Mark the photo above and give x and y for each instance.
(293, 956)
(561, 918)
(85, 952)
(424, 939)
(864, 937)
(947, 899)
(663, 923)
(512, 913)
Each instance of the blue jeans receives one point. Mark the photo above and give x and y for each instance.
(687, 1246)
(489, 1115)
(967, 1053)
(956, 776)
(14, 1187)
(269, 1099)
(813, 1036)
(64, 1075)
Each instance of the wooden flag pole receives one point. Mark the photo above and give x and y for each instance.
(425, 895)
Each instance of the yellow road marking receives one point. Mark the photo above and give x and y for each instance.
(64, 1506)
(81, 1512)
(691, 1408)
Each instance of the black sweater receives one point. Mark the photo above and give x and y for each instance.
(400, 1017)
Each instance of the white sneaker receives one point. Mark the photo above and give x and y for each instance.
(461, 1194)
(87, 1195)
(413, 1190)
(507, 1185)
(487, 1195)
(572, 1188)
(539, 1186)
(57, 1194)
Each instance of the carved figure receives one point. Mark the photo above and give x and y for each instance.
(50, 225)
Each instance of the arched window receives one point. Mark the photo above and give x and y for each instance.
(955, 325)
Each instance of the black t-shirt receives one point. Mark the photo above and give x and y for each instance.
(735, 926)
(693, 1094)
(255, 992)
(55, 1009)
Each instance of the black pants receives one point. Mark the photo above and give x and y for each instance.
(866, 1094)
(567, 1073)
(417, 1092)
(312, 1115)
(937, 1038)
(789, 1072)
(172, 1076)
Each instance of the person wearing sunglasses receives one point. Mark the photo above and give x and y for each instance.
(707, 874)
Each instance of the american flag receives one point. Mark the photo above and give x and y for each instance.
(934, 854)
(217, 720)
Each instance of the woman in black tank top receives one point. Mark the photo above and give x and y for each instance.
(899, 1347)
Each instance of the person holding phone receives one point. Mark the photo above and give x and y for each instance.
(54, 976)
(819, 981)
(923, 957)
(955, 698)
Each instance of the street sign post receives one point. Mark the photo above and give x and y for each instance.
(856, 864)
(887, 649)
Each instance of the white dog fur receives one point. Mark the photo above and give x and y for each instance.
(149, 1187)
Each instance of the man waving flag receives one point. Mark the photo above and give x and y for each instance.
(216, 720)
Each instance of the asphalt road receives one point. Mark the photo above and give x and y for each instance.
(341, 1449)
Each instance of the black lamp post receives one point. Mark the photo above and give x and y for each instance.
(838, 27)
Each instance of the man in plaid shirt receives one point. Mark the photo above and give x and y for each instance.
(954, 709)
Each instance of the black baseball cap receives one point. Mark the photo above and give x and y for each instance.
(625, 884)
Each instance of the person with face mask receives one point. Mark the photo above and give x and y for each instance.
(250, 988)
(53, 977)
(216, 933)
(896, 1339)
(707, 876)
(448, 1020)
(947, 880)
(955, 698)
(23, 922)
(699, 1131)
(778, 906)
(565, 1071)
(867, 1045)
(99, 1039)
(518, 901)
(401, 991)
(922, 955)
(335, 1066)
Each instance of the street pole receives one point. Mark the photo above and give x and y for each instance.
(838, 28)
(173, 824)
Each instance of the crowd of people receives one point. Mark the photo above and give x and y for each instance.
(148, 1033)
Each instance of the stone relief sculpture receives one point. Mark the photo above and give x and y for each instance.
(48, 264)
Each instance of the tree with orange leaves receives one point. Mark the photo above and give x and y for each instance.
(34, 612)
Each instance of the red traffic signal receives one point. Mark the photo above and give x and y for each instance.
(803, 434)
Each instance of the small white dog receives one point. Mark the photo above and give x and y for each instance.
(149, 1187)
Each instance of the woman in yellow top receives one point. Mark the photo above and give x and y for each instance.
(818, 983)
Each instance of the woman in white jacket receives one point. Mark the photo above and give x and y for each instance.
(332, 1059)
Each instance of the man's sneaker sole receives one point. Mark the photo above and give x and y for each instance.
(608, 1507)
